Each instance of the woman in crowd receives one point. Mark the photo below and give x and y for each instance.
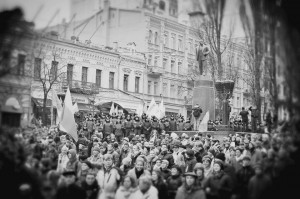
(73, 163)
(190, 189)
(138, 170)
(159, 184)
(63, 159)
(127, 189)
(206, 160)
(199, 171)
(174, 181)
(96, 158)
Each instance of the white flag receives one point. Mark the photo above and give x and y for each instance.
(203, 125)
(68, 123)
(75, 108)
(56, 102)
(112, 109)
(116, 110)
(152, 109)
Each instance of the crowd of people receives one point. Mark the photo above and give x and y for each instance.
(138, 157)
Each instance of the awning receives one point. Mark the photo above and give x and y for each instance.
(10, 109)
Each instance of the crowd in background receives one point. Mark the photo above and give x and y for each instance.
(140, 157)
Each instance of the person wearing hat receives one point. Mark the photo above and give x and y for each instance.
(71, 189)
(137, 125)
(189, 189)
(165, 172)
(199, 171)
(219, 184)
(138, 170)
(90, 185)
(165, 154)
(86, 166)
(159, 183)
(95, 159)
(174, 181)
(206, 160)
(107, 127)
(243, 176)
(190, 160)
(180, 124)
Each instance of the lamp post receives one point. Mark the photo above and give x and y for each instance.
(225, 89)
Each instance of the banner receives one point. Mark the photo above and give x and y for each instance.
(56, 102)
(112, 109)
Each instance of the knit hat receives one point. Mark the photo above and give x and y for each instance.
(221, 156)
(206, 157)
(165, 161)
(96, 148)
(197, 166)
(220, 163)
(190, 152)
(247, 157)
(88, 163)
(190, 174)
(212, 151)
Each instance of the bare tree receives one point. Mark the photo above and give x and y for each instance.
(254, 51)
(50, 71)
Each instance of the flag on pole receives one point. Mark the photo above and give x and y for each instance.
(112, 108)
(152, 108)
(68, 123)
(75, 108)
(56, 102)
(116, 110)
(204, 123)
(162, 109)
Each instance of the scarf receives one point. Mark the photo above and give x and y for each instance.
(138, 173)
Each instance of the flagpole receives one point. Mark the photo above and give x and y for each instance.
(51, 110)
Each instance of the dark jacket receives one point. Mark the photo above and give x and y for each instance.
(167, 156)
(195, 193)
(165, 173)
(162, 189)
(190, 164)
(91, 191)
(72, 191)
(243, 176)
(220, 185)
(173, 183)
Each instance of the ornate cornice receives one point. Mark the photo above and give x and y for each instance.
(127, 70)
(138, 73)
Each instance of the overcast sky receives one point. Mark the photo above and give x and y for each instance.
(49, 7)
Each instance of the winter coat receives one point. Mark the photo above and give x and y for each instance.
(259, 187)
(123, 193)
(190, 164)
(220, 185)
(243, 176)
(108, 181)
(162, 189)
(152, 193)
(167, 156)
(194, 193)
(132, 173)
(90, 190)
(72, 191)
(173, 183)
(173, 125)
(165, 173)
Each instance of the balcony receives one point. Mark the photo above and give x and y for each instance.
(87, 88)
(154, 71)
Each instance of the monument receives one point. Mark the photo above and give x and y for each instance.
(204, 90)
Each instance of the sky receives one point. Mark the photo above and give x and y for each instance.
(48, 8)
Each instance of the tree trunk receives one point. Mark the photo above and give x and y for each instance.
(44, 113)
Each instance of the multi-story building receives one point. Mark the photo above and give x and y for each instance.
(94, 75)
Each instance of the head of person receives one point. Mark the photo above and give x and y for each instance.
(110, 147)
(125, 146)
(243, 108)
(258, 168)
(128, 182)
(246, 161)
(164, 147)
(190, 178)
(164, 164)
(69, 176)
(158, 163)
(206, 160)
(108, 160)
(90, 177)
(145, 182)
(199, 170)
(86, 165)
(175, 171)
(139, 164)
(156, 176)
(96, 151)
(218, 165)
(64, 149)
(72, 155)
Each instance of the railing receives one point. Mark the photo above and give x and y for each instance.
(81, 87)
(154, 70)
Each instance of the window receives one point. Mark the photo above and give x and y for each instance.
(179, 67)
(156, 61)
(172, 90)
(162, 5)
(180, 44)
(21, 64)
(165, 63)
(70, 73)
(53, 70)
(125, 82)
(150, 36)
(173, 42)
(98, 78)
(156, 38)
(84, 75)
(149, 87)
(111, 80)
(172, 66)
(166, 40)
(150, 60)
(5, 59)
(37, 68)
(238, 102)
(165, 90)
(155, 88)
(137, 85)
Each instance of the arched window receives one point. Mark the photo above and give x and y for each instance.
(156, 38)
(150, 36)
(162, 5)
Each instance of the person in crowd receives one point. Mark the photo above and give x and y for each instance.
(199, 171)
(165, 172)
(206, 160)
(244, 114)
(219, 185)
(108, 178)
(165, 154)
(96, 158)
(70, 190)
(160, 184)
(62, 159)
(127, 189)
(115, 155)
(73, 163)
(189, 189)
(126, 165)
(243, 176)
(146, 189)
(86, 167)
(174, 181)
(138, 170)
(90, 185)
(190, 160)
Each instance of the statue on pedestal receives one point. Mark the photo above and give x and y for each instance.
(197, 111)
(201, 55)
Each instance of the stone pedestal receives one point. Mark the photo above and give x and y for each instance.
(204, 95)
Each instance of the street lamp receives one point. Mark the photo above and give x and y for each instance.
(225, 89)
